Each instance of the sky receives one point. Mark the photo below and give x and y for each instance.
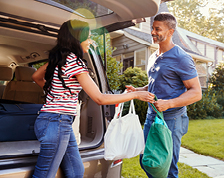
(211, 4)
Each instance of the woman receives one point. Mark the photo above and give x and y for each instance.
(62, 78)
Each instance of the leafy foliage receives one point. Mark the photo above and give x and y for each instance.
(133, 76)
(207, 106)
(38, 65)
(137, 78)
(189, 17)
(217, 79)
(113, 67)
(212, 102)
(217, 83)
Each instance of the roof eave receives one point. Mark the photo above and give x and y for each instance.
(200, 58)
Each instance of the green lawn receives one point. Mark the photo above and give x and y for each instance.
(131, 169)
(203, 137)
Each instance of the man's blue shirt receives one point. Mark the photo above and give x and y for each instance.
(167, 72)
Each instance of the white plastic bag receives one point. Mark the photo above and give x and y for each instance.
(124, 137)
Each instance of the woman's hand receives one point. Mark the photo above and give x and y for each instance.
(38, 76)
(145, 96)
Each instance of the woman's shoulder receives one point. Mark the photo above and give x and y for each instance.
(71, 56)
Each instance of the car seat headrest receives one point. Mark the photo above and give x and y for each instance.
(24, 74)
(6, 73)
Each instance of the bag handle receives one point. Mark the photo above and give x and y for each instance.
(119, 110)
(132, 107)
(160, 114)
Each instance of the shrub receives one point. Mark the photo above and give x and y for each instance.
(217, 78)
(137, 78)
(133, 76)
(206, 107)
(212, 102)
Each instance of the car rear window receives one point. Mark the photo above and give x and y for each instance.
(85, 8)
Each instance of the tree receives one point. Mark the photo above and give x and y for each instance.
(190, 17)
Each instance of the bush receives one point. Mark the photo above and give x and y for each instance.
(206, 107)
(212, 103)
(217, 78)
(133, 76)
(137, 78)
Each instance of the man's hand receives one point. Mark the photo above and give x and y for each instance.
(130, 88)
(162, 105)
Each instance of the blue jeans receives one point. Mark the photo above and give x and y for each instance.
(178, 124)
(58, 147)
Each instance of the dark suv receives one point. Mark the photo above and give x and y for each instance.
(28, 30)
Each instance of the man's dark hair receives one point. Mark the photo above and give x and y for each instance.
(168, 18)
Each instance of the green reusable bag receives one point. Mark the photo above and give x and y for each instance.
(158, 151)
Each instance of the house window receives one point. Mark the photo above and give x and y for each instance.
(140, 59)
(128, 62)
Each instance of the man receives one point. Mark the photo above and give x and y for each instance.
(173, 79)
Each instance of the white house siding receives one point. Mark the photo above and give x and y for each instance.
(145, 26)
(119, 43)
(201, 48)
(140, 58)
(219, 55)
(210, 51)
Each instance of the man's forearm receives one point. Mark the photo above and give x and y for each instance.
(192, 95)
(187, 98)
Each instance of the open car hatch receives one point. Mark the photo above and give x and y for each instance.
(97, 13)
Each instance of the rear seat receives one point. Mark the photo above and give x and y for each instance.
(24, 89)
(6, 74)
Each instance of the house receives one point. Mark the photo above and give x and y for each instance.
(134, 45)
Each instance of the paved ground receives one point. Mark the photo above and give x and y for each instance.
(206, 164)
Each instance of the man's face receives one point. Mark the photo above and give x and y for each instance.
(160, 32)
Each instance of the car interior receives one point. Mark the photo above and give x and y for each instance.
(27, 32)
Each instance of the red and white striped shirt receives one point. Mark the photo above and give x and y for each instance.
(61, 100)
